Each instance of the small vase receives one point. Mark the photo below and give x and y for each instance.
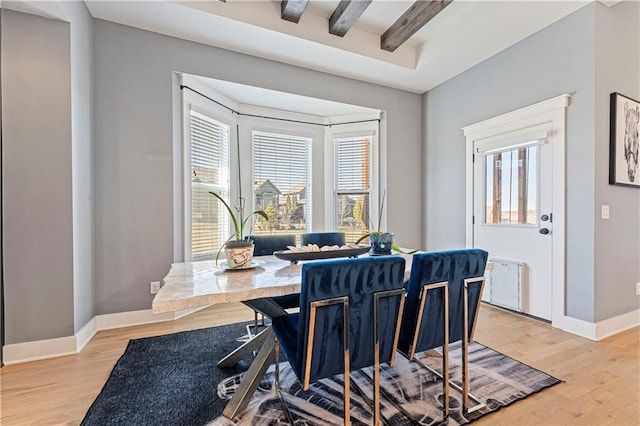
(239, 253)
(381, 243)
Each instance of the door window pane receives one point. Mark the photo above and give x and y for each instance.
(512, 187)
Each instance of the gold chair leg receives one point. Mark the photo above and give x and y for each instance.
(347, 366)
(465, 350)
(277, 365)
(445, 354)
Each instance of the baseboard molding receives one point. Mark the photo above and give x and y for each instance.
(40, 349)
(601, 329)
(576, 326)
(128, 319)
(86, 333)
(616, 324)
(70, 345)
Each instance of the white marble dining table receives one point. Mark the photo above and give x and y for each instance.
(192, 284)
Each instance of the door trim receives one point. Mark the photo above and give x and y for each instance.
(552, 110)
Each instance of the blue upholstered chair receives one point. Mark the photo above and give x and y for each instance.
(443, 300)
(348, 307)
(322, 238)
(265, 245)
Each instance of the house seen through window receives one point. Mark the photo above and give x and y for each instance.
(353, 185)
(282, 183)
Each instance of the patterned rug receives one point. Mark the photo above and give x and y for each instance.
(173, 379)
(410, 393)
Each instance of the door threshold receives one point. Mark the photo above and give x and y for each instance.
(511, 311)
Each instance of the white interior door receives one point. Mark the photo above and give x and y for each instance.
(513, 214)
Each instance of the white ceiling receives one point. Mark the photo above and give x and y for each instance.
(464, 34)
(261, 97)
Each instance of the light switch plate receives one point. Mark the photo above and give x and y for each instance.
(605, 211)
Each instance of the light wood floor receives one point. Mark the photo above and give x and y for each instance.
(601, 379)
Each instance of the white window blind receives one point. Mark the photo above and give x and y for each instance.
(353, 185)
(209, 146)
(282, 182)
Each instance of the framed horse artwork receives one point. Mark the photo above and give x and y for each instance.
(624, 144)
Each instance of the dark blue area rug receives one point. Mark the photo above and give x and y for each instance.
(174, 380)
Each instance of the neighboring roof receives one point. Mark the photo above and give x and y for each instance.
(266, 186)
(296, 189)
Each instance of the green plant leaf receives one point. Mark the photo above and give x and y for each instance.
(220, 249)
(394, 247)
(236, 225)
(257, 212)
(363, 237)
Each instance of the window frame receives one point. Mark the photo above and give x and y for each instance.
(203, 107)
(370, 130)
(293, 132)
(241, 126)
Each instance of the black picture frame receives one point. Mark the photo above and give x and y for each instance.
(624, 143)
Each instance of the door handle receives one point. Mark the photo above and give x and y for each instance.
(544, 231)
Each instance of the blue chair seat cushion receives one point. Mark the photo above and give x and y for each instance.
(453, 266)
(286, 329)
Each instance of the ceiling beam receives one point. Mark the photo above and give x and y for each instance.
(292, 10)
(346, 14)
(411, 21)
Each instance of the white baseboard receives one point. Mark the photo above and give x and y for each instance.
(615, 325)
(40, 349)
(127, 319)
(86, 333)
(576, 326)
(70, 345)
(601, 329)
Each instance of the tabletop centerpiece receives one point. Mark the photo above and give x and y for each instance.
(238, 248)
(382, 241)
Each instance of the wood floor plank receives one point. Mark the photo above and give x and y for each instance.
(601, 379)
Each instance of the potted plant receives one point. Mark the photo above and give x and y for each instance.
(238, 248)
(381, 241)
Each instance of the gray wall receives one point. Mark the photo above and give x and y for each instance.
(37, 199)
(617, 241)
(560, 59)
(1, 199)
(81, 44)
(133, 148)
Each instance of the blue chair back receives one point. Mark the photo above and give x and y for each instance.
(323, 238)
(359, 279)
(453, 266)
(265, 245)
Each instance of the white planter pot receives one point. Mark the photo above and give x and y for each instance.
(239, 255)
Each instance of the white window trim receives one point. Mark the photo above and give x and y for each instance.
(321, 157)
(182, 163)
(369, 129)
